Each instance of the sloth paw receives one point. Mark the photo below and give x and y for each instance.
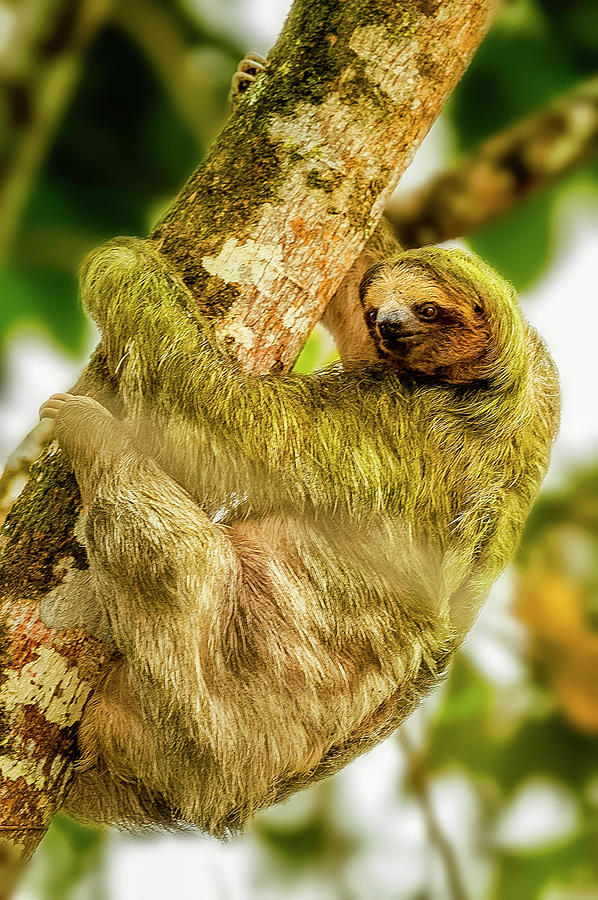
(51, 407)
(247, 71)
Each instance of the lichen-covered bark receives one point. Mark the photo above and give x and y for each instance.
(502, 172)
(310, 155)
(262, 233)
(46, 685)
(16, 472)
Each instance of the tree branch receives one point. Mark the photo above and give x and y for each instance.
(522, 159)
(262, 233)
(16, 471)
(419, 784)
(529, 156)
(308, 185)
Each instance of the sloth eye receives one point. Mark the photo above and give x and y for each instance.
(428, 311)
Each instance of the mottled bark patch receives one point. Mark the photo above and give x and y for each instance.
(426, 7)
(313, 60)
(39, 530)
(323, 182)
(4, 644)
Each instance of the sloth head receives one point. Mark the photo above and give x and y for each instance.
(425, 315)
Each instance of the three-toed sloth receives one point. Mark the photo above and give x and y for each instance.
(376, 502)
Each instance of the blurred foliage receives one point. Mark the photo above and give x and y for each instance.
(536, 50)
(119, 154)
(69, 863)
(318, 351)
(557, 595)
(554, 737)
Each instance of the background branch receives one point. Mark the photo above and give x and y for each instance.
(502, 172)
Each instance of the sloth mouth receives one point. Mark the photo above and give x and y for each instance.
(400, 336)
(400, 341)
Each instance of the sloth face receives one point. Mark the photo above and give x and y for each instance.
(422, 323)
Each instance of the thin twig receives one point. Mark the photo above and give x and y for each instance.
(419, 783)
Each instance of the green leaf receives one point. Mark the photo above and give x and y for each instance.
(316, 352)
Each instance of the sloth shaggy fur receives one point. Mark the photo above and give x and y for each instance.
(367, 510)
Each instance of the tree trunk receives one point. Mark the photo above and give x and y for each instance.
(262, 233)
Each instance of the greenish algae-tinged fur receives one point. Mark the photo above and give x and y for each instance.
(123, 308)
(372, 511)
(4, 727)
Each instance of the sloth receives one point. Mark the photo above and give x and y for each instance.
(263, 649)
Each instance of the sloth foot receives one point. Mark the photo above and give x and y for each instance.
(247, 71)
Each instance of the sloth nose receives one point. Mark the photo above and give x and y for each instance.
(393, 323)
